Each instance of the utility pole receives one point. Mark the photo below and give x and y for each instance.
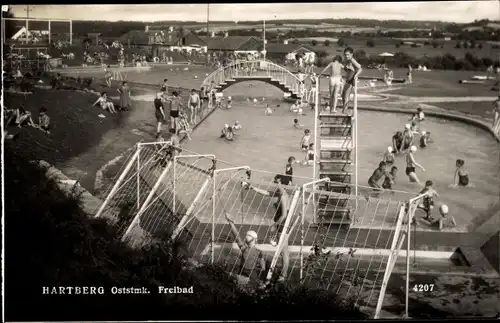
(208, 35)
(27, 21)
(264, 50)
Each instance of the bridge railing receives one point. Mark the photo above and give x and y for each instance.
(256, 69)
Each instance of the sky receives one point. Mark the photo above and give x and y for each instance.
(452, 11)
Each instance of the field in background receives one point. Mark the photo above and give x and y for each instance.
(389, 45)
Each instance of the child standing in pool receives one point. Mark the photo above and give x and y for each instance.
(461, 177)
(309, 158)
(411, 165)
(428, 200)
(425, 138)
(397, 142)
(407, 138)
(296, 124)
(390, 179)
(306, 140)
(389, 157)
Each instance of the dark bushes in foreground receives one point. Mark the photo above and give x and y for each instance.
(50, 242)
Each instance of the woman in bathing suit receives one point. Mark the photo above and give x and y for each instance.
(461, 175)
(335, 85)
(352, 70)
(411, 165)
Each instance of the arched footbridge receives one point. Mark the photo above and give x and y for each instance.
(256, 70)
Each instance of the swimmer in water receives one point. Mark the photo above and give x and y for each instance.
(425, 139)
(407, 138)
(446, 220)
(335, 69)
(414, 128)
(309, 158)
(294, 107)
(296, 124)
(428, 200)
(306, 140)
(237, 125)
(377, 176)
(389, 157)
(268, 110)
(390, 178)
(420, 114)
(411, 164)
(352, 70)
(397, 142)
(227, 132)
(461, 177)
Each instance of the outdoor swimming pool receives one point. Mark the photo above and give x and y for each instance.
(265, 143)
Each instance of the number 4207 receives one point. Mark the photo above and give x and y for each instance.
(423, 287)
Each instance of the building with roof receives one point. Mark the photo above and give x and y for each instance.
(233, 44)
(285, 51)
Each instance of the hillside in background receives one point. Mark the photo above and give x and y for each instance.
(112, 29)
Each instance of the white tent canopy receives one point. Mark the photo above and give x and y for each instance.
(386, 54)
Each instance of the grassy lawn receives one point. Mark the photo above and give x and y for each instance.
(482, 109)
(388, 45)
(75, 124)
(438, 83)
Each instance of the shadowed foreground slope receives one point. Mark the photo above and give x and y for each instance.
(50, 242)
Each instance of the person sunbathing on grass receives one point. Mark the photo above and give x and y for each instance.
(44, 120)
(104, 103)
(23, 118)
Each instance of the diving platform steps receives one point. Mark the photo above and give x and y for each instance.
(276, 82)
(335, 163)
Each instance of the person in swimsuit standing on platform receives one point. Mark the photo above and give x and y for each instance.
(411, 164)
(175, 106)
(311, 95)
(352, 70)
(335, 68)
(194, 104)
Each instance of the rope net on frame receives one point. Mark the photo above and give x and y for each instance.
(328, 237)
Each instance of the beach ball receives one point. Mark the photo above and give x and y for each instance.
(255, 100)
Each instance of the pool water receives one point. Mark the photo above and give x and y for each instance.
(266, 142)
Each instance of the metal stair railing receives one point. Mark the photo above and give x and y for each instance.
(257, 69)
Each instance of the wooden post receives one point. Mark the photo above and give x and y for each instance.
(71, 32)
(50, 34)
